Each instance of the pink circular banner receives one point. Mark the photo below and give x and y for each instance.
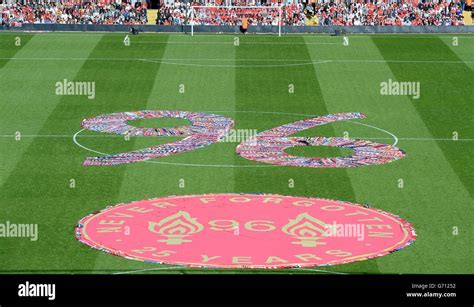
(245, 231)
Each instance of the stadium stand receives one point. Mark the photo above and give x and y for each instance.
(432, 13)
(17, 14)
(325, 14)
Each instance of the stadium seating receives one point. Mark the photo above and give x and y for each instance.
(295, 14)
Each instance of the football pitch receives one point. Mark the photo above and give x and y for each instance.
(260, 82)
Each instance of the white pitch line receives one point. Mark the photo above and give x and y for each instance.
(316, 61)
(288, 43)
(146, 270)
(222, 59)
(418, 139)
(83, 147)
(312, 115)
(380, 129)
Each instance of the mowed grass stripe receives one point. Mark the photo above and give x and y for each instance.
(204, 89)
(8, 49)
(10, 45)
(463, 49)
(337, 89)
(422, 201)
(446, 102)
(38, 190)
(267, 90)
(444, 106)
(28, 91)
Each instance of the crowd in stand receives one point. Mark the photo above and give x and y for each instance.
(17, 14)
(435, 13)
(180, 13)
(389, 14)
(366, 14)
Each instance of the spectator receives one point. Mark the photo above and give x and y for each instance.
(432, 13)
(68, 13)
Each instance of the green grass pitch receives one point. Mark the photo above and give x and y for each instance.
(248, 83)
